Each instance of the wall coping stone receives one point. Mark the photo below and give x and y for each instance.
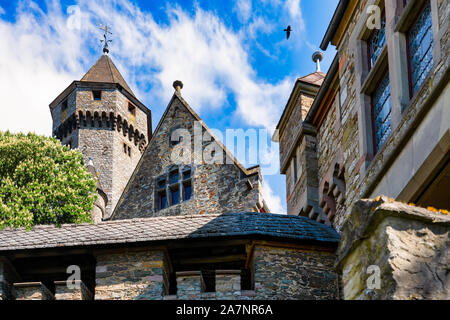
(366, 215)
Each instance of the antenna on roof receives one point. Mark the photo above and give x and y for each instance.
(317, 57)
(105, 36)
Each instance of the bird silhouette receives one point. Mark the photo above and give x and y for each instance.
(288, 32)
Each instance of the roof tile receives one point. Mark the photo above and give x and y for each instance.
(167, 228)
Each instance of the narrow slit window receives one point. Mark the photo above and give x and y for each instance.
(131, 109)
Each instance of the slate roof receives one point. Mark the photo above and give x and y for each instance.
(315, 78)
(104, 70)
(168, 228)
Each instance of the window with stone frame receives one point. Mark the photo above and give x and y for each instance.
(376, 43)
(420, 49)
(174, 187)
(381, 112)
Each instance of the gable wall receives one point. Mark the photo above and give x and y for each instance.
(217, 188)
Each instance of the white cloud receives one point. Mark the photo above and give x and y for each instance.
(273, 201)
(293, 7)
(259, 25)
(243, 8)
(37, 61)
(45, 51)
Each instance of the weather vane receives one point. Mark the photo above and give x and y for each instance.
(105, 35)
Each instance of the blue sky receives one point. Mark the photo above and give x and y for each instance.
(237, 67)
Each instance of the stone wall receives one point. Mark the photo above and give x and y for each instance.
(304, 198)
(292, 274)
(131, 276)
(32, 291)
(217, 188)
(79, 291)
(289, 130)
(345, 135)
(103, 139)
(405, 247)
(228, 287)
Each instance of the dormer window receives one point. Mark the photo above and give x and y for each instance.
(131, 109)
(97, 95)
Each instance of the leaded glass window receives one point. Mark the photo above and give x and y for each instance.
(376, 43)
(173, 187)
(381, 101)
(420, 43)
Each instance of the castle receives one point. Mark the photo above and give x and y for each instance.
(171, 226)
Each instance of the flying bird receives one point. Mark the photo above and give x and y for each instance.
(288, 32)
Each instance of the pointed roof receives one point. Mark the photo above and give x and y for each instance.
(104, 70)
(315, 78)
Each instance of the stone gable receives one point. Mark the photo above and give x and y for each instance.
(215, 188)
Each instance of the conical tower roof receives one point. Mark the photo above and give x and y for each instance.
(104, 70)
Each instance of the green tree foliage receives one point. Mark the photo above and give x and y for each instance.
(42, 182)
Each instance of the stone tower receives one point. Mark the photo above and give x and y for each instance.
(101, 116)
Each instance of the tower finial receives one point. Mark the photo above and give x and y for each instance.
(317, 57)
(105, 36)
(178, 85)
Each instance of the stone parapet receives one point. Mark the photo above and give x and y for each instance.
(390, 250)
(283, 273)
(131, 276)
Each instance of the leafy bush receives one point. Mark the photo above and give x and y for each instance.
(42, 182)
